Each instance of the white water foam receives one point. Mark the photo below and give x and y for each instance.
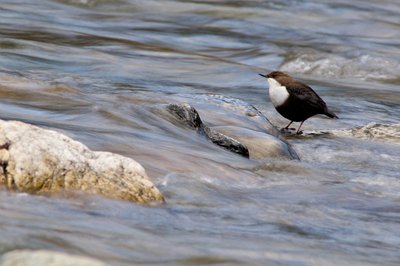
(363, 67)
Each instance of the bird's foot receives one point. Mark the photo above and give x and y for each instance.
(287, 130)
(291, 131)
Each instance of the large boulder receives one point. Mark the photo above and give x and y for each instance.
(45, 258)
(36, 160)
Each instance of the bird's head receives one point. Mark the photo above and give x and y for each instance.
(278, 76)
(275, 75)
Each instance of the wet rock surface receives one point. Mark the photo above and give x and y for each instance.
(191, 118)
(234, 125)
(260, 145)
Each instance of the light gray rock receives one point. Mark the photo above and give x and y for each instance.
(45, 258)
(377, 131)
(371, 131)
(37, 160)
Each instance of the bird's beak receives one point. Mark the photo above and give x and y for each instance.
(262, 75)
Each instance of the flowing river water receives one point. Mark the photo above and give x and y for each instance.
(100, 71)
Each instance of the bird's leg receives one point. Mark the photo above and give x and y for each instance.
(287, 127)
(298, 130)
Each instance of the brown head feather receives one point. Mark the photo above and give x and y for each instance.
(281, 77)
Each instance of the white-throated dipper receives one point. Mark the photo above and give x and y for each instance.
(294, 100)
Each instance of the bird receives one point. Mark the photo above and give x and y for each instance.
(294, 100)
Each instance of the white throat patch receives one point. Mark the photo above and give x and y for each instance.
(277, 93)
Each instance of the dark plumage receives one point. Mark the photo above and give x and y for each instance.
(295, 100)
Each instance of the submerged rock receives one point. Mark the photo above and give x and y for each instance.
(225, 111)
(37, 160)
(45, 258)
(191, 118)
(259, 144)
(239, 127)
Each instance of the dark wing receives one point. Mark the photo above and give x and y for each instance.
(306, 95)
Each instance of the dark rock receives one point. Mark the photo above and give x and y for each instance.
(241, 127)
(191, 118)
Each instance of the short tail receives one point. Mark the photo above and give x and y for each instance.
(331, 114)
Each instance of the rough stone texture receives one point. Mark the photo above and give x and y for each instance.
(226, 142)
(36, 160)
(45, 258)
(385, 132)
(187, 115)
(372, 131)
(238, 127)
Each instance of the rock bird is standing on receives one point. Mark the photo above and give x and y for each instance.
(294, 100)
